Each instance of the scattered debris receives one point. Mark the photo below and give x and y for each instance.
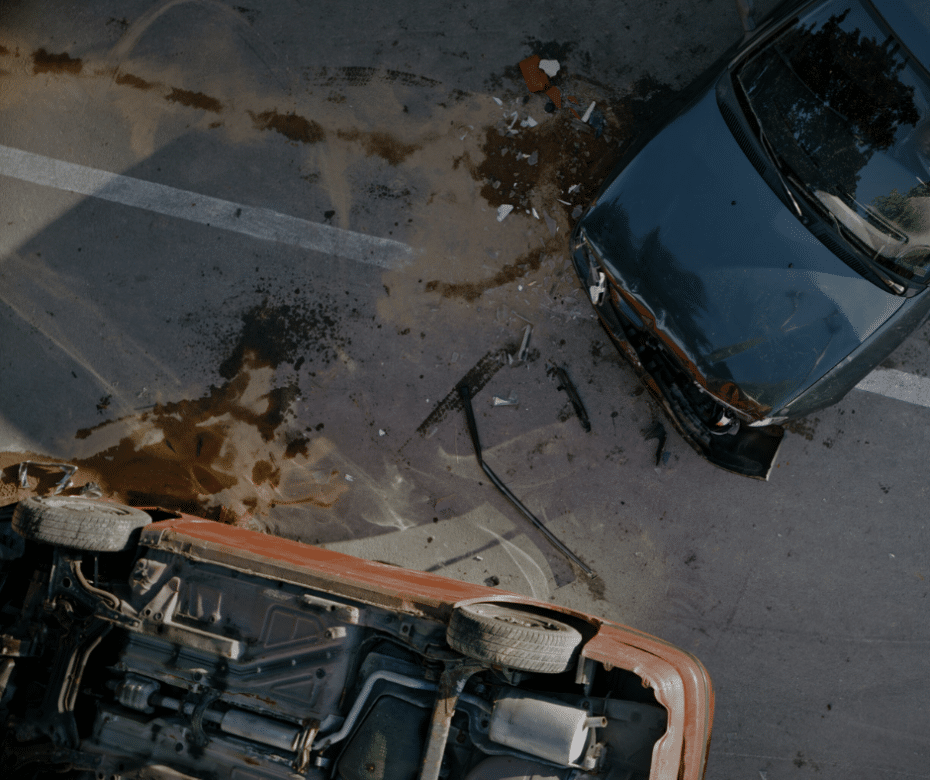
(587, 114)
(492, 581)
(465, 393)
(657, 431)
(533, 158)
(566, 384)
(529, 122)
(382, 432)
(91, 490)
(549, 67)
(63, 484)
(597, 122)
(498, 101)
(503, 211)
(350, 478)
(525, 346)
(554, 96)
(512, 401)
(536, 79)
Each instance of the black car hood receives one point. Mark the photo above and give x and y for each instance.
(738, 286)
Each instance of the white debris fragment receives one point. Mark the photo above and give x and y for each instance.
(587, 114)
(573, 188)
(381, 432)
(549, 67)
(478, 558)
(565, 202)
(535, 214)
(511, 400)
(350, 478)
(498, 101)
(529, 122)
(503, 211)
(524, 347)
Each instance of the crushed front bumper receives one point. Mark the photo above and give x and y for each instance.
(749, 451)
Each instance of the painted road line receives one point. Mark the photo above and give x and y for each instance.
(260, 223)
(899, 385)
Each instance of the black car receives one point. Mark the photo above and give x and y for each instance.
(769, 245)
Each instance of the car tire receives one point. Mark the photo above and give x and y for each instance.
(78, 523)
(512, 637)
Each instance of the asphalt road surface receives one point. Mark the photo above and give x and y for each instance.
(248, 252)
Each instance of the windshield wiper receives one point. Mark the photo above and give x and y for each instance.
(770, 151)
(852, 238)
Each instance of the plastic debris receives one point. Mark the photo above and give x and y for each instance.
(498, 101)
(525, 346)
(91, 490)
(566, 384)
(529, 122)
(535, 213)
(555, 96)
(657, 431)
(597, 122)
(503, 211)
(535, 78)
(350, 478)
(549, 67)
(533, 158)
(511, 401)
(587, 114)
(381, 432)
(573, 188)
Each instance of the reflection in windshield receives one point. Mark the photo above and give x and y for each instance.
(847, 116)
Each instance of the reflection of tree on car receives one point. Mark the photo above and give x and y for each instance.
(836, 104)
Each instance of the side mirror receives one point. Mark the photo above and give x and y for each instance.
(746, 10)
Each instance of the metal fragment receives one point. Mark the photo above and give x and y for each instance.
(465, 392)
(63, 484)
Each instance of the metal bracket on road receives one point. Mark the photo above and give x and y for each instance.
(465, 393)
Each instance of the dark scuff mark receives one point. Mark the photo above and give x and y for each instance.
(130, 80)
(381, 145)
(194, 100)
(291, 126)
(43, 62)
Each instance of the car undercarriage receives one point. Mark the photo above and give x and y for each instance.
(158, 662)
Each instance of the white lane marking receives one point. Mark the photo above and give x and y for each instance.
(898, 385)
(260, 223)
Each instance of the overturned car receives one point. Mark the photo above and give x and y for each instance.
(149, 644)
(764, 248)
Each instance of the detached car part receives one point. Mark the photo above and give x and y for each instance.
(204, 650)
(465, 393)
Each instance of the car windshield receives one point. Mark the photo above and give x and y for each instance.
(845, 111)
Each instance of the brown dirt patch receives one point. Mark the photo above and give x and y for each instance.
(291, 126)
(194, 100)
(381, 145)
(129, 80)
(43, 62)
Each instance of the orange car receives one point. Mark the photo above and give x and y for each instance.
(150, 644)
